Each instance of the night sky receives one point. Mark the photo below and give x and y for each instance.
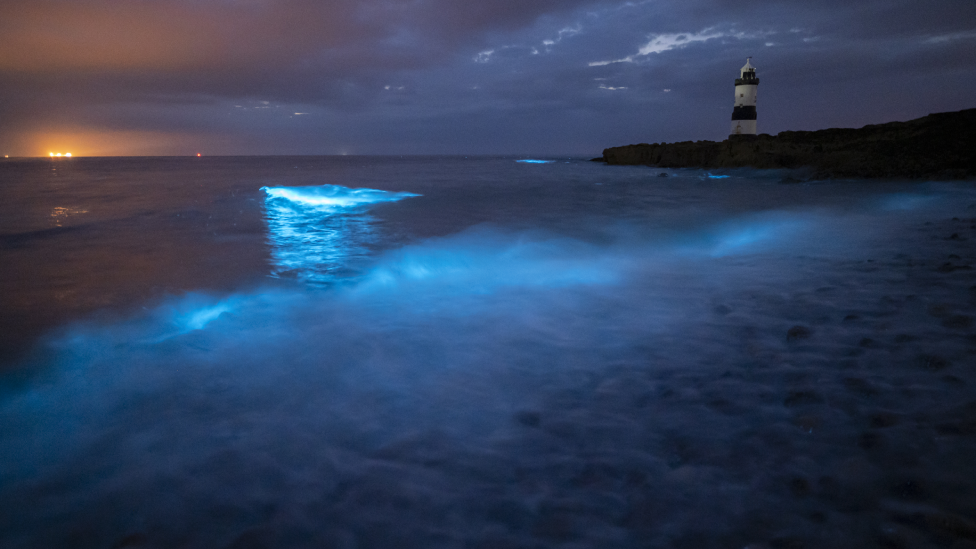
(229, 77)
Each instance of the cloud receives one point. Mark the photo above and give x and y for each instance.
(563, 32)
(664, 42)
(172, 71)
(484, 57)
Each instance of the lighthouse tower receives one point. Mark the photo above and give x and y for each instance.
(744, 113)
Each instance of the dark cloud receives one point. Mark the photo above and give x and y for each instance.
(432, 76)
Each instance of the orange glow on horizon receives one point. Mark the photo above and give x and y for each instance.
(198, 154)
(96, 142)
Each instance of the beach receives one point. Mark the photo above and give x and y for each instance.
(483, 352)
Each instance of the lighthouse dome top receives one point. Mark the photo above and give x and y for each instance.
(748, 67)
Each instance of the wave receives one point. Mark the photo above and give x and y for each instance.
(334, 197)
(321, 234)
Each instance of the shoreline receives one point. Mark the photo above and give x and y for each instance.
(938, 146)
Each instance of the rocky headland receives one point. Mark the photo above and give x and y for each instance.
(937, 146)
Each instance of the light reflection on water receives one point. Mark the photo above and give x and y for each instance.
(321, 234)
(60, 214)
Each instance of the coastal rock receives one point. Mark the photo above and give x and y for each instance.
(797, 332)
(937, 146)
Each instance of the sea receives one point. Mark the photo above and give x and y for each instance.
(482, 352)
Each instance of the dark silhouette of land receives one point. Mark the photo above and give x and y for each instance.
(937, 146)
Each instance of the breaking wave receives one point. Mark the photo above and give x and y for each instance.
(322, 234)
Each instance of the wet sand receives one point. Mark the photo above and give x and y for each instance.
(792, 378)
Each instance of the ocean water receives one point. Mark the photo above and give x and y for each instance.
(361, 352)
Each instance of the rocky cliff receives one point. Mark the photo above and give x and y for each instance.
(939, 146)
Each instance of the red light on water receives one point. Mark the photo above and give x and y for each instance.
(198, 154)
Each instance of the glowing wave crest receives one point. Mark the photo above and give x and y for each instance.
(334, 196)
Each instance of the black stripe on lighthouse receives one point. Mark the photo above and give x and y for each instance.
(745, 112)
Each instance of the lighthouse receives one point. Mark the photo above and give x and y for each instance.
(744, 113)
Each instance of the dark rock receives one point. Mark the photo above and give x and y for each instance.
(799, 398)
(949, 525)
(511, 513)
(800, 487)
(882, 420)
(937, 146)
(961, 421)
(808, 423)
(529, 419)
(132, 540)
(933, 363)
(870, 440)
(949, 267)
(555, 525)
(662, 174)
(889, 540)
(597, 159)
(787, 543)
(798, 332)
(859, 386)
(953, 380)
(908, 489)
(958, 322)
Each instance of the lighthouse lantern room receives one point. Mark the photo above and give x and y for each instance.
(744, 113)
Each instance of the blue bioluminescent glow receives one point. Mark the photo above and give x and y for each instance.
(198, 320)
(710, 176)
(760, 233)
(451, 365)
(536, 161)
(738, 240)
(320, 233)
(484, 261)
(334, 196)
(906, 201)
(194, 312)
